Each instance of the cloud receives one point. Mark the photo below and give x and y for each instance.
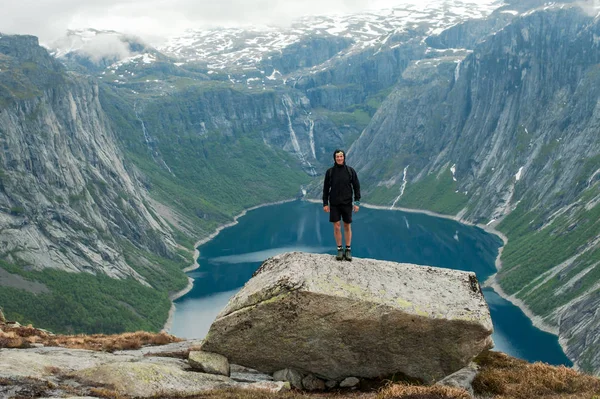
(154, 19)
(40, 19)
(590, 7)
(49, 19)
(105, 46)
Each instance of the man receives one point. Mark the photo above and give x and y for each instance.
(340, 181)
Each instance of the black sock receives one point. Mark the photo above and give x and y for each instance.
(348, 247)
(339, 247)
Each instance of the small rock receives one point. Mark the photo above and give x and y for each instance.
(349, 382)
(36, 345)
(249, 376)
(312, 383)
(236, 368)
(330, 384)
(463, 378)
(175, 348)
(208, 362)
(293, 376)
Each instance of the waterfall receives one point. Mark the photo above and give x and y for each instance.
(457, 71)
(401, 188)
(311, 137)
(149, 140)
(287, 104)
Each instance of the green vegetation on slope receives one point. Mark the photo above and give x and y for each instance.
(207, 176)
(87, 303)
(356, 116)
(84, 303)
(162, 273)
(550, 259)
(538, 242)
(434, 193)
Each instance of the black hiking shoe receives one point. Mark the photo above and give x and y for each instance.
(340, 254)
(348, 255)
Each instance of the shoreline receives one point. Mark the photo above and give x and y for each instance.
(488, 228)
(492, 281)
(195, 265)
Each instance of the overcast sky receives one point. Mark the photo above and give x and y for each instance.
(49, 19)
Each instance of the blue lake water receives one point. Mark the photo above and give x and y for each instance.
(228, 261)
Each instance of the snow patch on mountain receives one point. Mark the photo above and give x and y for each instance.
(247, 48)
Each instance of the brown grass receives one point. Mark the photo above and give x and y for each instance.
(23, 336)
(505, 377)
(259, 394)
(395, 391)
(421, 392)
(53, 370)
(106, 393)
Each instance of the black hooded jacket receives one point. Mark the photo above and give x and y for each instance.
(340, 181)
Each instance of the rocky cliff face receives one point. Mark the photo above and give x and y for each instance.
(68, 199)
(509, 130)
(282, 119)
(510, 94)
(306, 53)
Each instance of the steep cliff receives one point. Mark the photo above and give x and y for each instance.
(209, 150)
(70, 203)
(508, 136)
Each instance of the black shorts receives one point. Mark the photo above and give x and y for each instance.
(337, 212)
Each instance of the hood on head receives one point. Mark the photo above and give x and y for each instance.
(335, 152)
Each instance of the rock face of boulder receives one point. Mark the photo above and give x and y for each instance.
(365, 318)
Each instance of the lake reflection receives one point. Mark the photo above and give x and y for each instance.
(230, 259)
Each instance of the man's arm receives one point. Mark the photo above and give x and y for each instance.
(356, 186)
(356, 189)
(326, 188)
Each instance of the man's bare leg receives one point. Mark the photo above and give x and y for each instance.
(337, 233)
(347, 234)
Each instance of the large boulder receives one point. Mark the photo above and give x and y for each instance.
(365, 318)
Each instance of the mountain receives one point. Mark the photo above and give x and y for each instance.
(484, 111)
(73, 212)
(508, 137)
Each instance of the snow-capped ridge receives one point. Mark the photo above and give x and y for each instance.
(240, 48)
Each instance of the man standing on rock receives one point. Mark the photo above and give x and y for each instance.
(340, 181)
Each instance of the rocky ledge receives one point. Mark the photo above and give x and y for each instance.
(303, 320)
